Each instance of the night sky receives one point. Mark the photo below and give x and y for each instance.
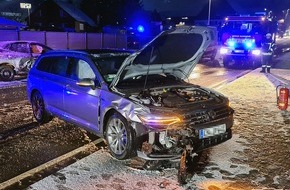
(189, 7)
(175, 7)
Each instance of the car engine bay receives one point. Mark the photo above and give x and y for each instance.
(174, 96)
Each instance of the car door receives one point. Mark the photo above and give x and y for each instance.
(19, 53)
(82, 103)
(53, 80)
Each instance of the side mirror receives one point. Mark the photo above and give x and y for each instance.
(87, 83)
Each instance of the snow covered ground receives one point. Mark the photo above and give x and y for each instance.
(257, 157)
(7, 84)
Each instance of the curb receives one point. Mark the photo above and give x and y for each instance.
(225, 82)
(46, 165)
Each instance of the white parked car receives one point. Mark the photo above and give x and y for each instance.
(17, 57)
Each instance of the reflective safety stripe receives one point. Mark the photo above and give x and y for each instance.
(266, 53)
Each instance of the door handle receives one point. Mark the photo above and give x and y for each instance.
(69, 90)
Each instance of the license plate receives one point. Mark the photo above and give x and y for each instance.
(239, 51)
(266, 53)
(212, 131)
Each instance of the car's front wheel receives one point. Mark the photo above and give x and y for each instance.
(6, 73)
(120, 137)
(228, 62)
(38, 108)
(256, 64)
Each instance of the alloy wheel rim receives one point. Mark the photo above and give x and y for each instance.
(117, 136)
(6, 74)
(37, 106)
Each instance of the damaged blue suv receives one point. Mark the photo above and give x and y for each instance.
(140, 103)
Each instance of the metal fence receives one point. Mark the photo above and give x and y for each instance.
(68, 40)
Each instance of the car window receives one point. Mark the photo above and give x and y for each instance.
(109, 66)
(20, 47)
(84, 70)
(59, 66)
(38, 48)
(80, 69)
(45, 64)
(55, 65)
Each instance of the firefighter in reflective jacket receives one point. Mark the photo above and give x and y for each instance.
(267, 54)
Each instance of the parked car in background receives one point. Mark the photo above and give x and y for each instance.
(140, 103)
(17, 57)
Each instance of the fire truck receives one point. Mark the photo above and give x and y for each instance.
(242, 38)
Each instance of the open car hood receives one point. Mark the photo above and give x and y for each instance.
(174, 52)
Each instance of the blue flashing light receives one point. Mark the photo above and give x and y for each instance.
(231, 43)
(249, 44)
(140, 29)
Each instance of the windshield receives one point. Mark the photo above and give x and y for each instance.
(109, 65)
(243, 27)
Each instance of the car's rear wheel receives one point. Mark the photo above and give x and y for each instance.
(120, 137)
(6, 73)
(38, 108)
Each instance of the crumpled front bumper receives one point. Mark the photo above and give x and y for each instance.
(199, 144)
(186, 138)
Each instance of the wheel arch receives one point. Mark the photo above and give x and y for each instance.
(109, 113)
(8, 64)
(132, 148)
(44, 116)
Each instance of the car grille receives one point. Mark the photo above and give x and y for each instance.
(207, 116)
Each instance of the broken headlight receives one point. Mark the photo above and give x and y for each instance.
(159, 121)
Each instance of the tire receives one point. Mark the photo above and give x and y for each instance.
(215, 63)
(6, 73)
(231, 63)
(256, 64)
(38, 108)
(120, 137)
(213, 55)
(226, 63)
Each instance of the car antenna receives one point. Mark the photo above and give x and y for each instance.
(150, 61)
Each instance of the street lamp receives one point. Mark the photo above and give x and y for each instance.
(28, 7)
(208, 17)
